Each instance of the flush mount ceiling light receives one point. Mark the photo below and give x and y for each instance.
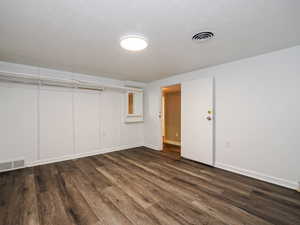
(133, 43)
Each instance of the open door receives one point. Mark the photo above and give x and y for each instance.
(197, 120)
(171, 120)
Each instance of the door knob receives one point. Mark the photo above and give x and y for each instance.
(208, 118)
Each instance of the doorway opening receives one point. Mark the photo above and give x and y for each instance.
(171, 121)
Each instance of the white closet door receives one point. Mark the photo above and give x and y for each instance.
(56, 123)
(111, 119)
(18, 116)
(197, 129)
(87, 121)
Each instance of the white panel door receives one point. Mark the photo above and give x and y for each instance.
(197, 129)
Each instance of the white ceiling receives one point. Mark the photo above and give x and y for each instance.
(83, 35)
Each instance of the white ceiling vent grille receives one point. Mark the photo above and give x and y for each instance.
(203, 36)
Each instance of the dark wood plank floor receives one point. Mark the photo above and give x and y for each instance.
(140, 186)
(172, 151)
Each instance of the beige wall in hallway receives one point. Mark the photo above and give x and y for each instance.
(172, 116)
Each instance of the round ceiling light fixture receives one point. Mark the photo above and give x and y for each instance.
(133, 43)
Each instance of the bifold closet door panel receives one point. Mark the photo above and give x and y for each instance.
(56, 122)
(18, 116)
(111, 118)
(87, 112)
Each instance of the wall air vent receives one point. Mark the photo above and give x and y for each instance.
(11, 165)
(5, 166)
(203, 36)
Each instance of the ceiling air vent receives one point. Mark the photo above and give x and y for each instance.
(203, 36)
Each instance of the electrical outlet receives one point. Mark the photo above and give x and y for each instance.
(227, 144)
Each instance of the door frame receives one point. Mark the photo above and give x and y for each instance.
(214, 120)
(161, 110)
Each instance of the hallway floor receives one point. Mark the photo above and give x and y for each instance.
(171, 151)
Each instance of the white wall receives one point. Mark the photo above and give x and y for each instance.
(257, 110)
(53, 123)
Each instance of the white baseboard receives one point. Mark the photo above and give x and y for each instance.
(249, 173)
(81, 155)
(154, 147)
(259, 176)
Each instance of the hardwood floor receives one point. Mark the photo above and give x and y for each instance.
(171, 151)
(140, 186)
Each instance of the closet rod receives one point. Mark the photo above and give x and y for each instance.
(37, 80)
(71, 83)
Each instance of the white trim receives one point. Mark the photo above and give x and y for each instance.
(78, 83)
(259, 176)
(11, 169)
(81, 155)
(38, 123)
(100, 114)
(74, 92)
(154, 147)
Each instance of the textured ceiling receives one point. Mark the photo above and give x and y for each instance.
(83, 35)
